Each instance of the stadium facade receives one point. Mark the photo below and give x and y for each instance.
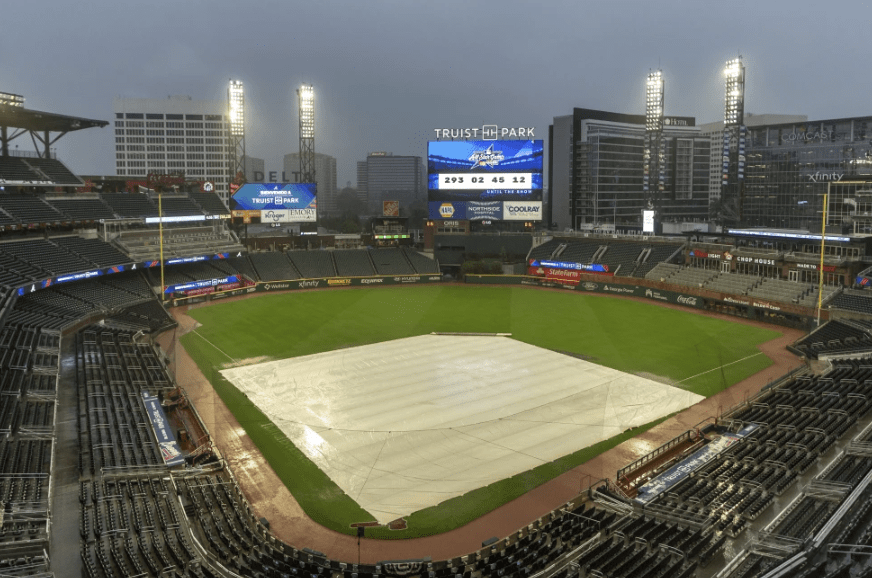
(791, 165)
(596, 170)
(387, 177)
(175, 134)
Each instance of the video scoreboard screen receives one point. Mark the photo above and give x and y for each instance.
(275, 202)
(485, 179)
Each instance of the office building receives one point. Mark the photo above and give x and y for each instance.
(715, 132)
(596, 169)
(175, 134)
(790, 166)
(325, 178)
(386, 177)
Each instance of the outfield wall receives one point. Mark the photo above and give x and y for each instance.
(319, 283)
(743, 306)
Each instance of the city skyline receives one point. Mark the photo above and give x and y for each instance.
(386, 75)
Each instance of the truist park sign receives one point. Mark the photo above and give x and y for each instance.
(486, 132)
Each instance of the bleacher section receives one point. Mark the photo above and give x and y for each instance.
(546, 249)
(313, 264)
(691, 277)
(810, 297)
(54, 170)
(94, 251)
(210, 203)
(662, 271)
(836, 338)
(273, 267)
(420, 263)
(391, 262)
(734, 283)
(779, 290)
(659, 253)
(622, 258)
(353, 263)
(47, 255)
(856, 300)
(579, 252)
(130, 205)
(82, 208)
(179, 206)
(30, 209)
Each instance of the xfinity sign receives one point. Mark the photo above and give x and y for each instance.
(486, 132)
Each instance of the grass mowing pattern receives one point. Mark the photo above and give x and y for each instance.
(626, 335)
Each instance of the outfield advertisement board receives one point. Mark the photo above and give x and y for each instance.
(325, 283)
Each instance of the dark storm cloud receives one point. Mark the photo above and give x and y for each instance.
(387, 73)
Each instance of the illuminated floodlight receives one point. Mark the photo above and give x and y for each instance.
(307, 111)
(306, 98)
(236, 97)
(9, 99)
(734, 92)
(654, 101)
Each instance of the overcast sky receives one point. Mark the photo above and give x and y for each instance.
(386, 73)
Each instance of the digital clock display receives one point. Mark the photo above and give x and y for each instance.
(483, 181)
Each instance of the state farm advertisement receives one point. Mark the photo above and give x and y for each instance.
(558, 275)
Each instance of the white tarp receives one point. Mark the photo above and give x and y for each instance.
(407, 424)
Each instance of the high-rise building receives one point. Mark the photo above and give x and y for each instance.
(791, 165)
(386, 177)
(715, 132)
(596, 169)
(325, 178)
(175, 134)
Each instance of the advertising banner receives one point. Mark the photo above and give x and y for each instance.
(288, 202)
(169, 448)
(571, 265)
(346, 282)
(390, 208)
(274, 216)
(452, 210)
(201, 284)
(522, 211)
(484, 210)
(678, 472)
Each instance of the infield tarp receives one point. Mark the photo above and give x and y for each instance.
(403, 425)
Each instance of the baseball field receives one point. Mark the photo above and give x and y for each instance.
(700, 354)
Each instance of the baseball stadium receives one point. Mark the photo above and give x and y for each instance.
(177, 402)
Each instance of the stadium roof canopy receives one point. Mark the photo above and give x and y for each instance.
(38, 124)
(39, 121)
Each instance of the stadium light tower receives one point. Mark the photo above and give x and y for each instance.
(654, 167)
(733, 173)
(306, 100)
(236, 114)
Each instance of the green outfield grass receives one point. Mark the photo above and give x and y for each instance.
(701, 354)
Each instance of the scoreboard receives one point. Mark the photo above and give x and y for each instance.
(275, 202)
(485, 179)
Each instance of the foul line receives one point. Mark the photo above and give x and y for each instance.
(213, 345)
(719, 367)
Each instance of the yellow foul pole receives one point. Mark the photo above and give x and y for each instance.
(821, 267)
(160, 235)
